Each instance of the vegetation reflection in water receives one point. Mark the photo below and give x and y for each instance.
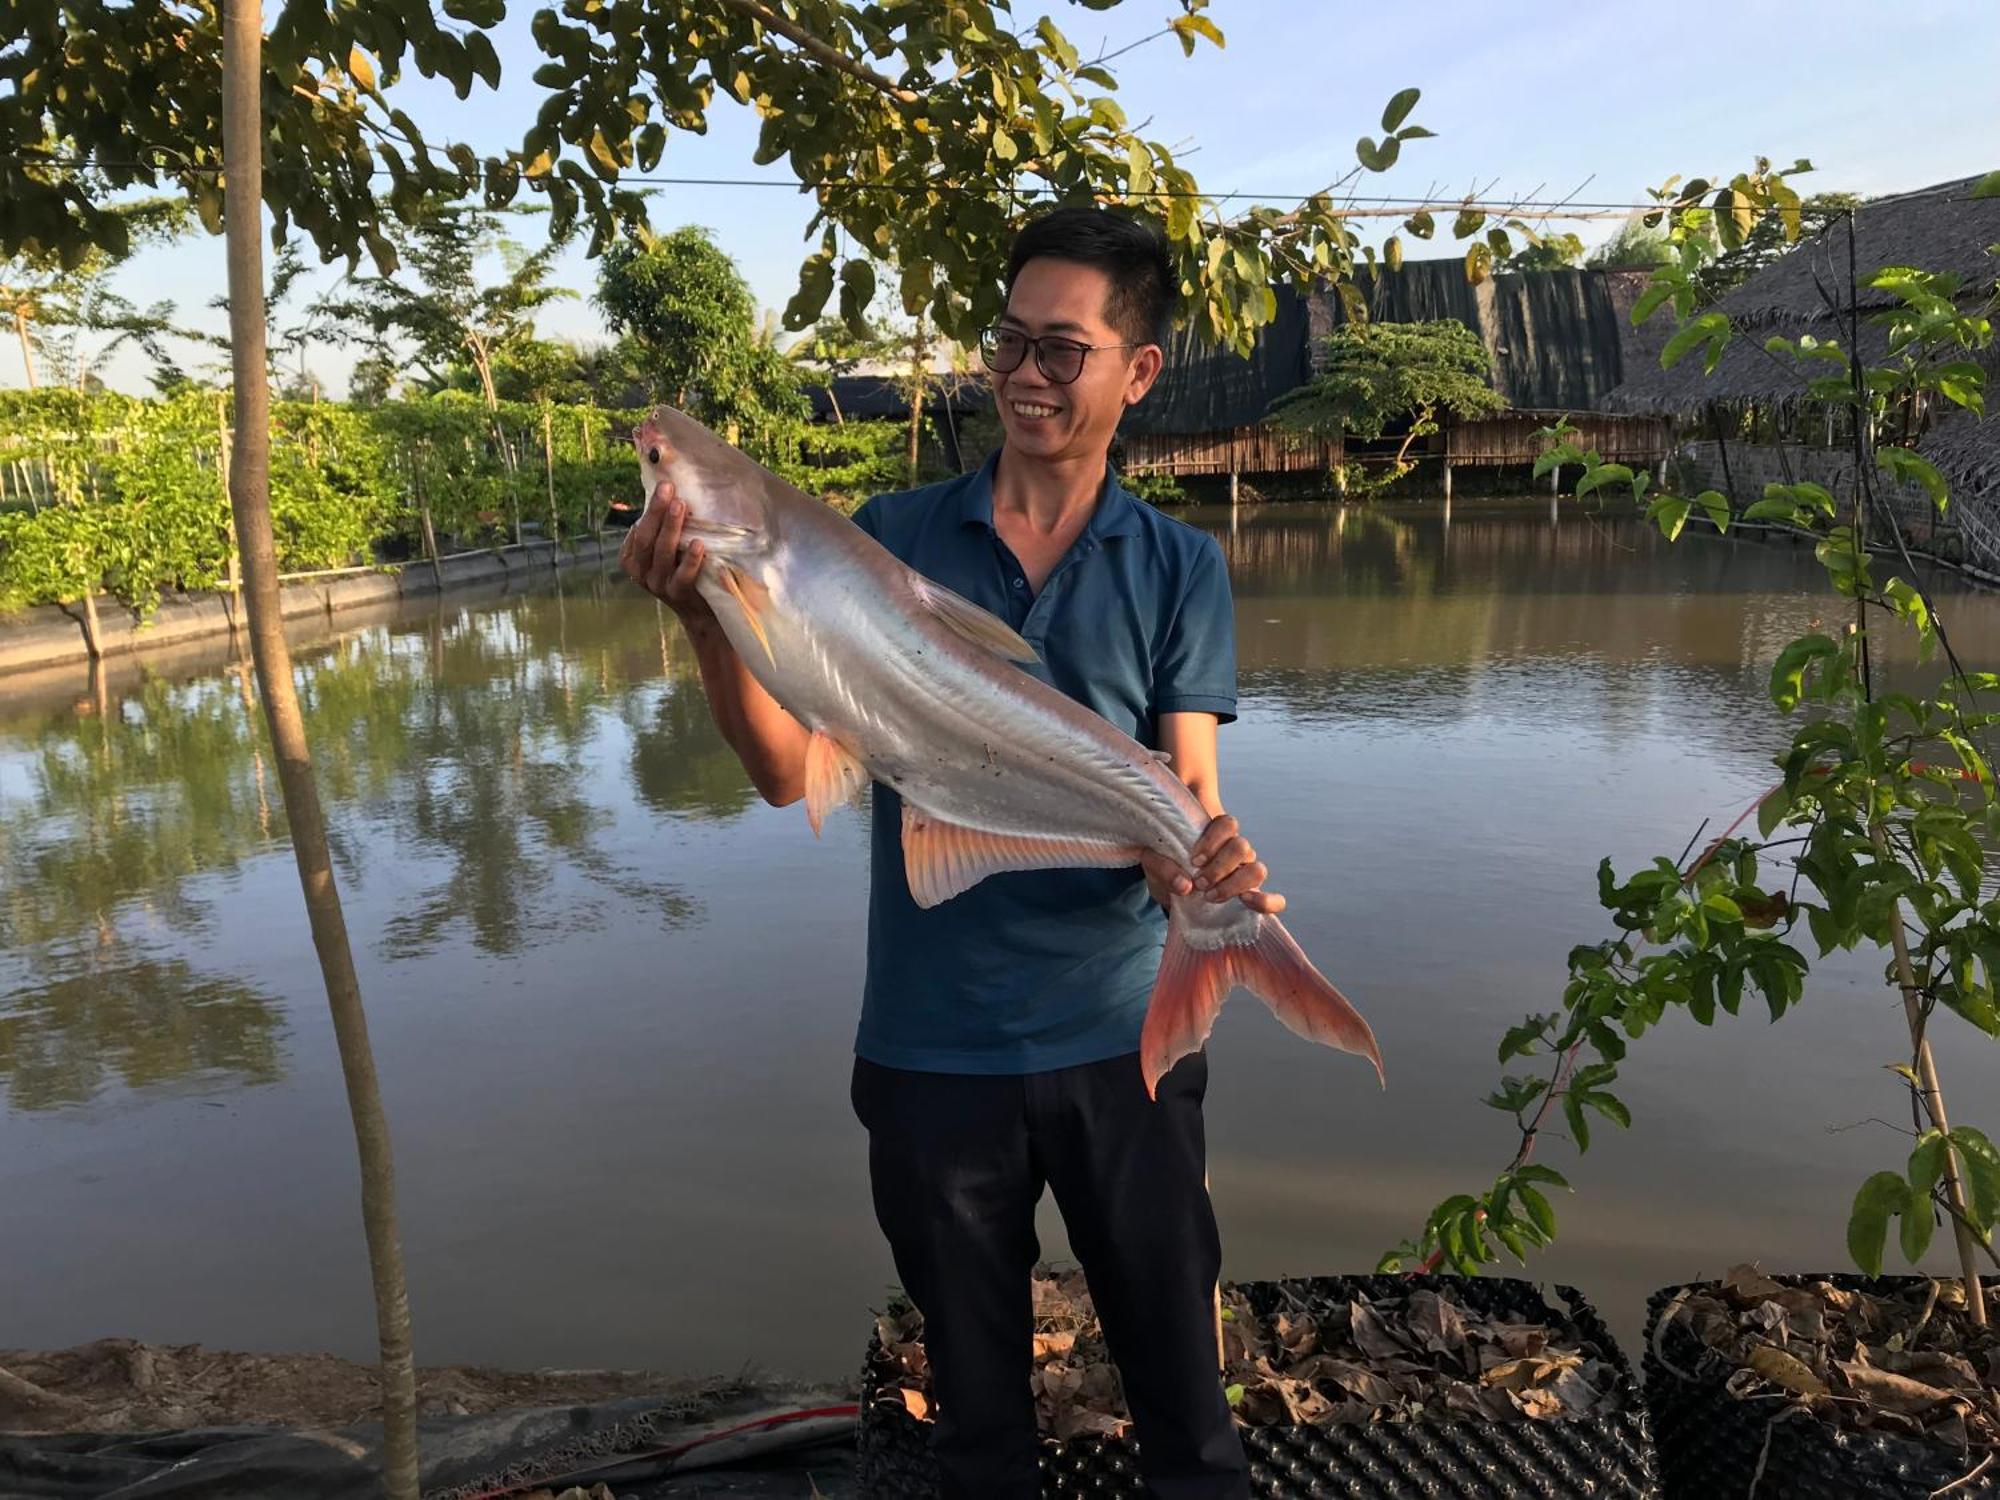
(460, 736)
(486, 739)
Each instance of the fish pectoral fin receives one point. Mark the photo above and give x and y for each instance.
(942, 859)
(753, 597)
(979, 626)
(722, 530)
(833, 776)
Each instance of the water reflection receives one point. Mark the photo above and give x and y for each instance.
(148, 1022)
(456, 753)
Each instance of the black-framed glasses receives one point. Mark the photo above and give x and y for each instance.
(1059, 359)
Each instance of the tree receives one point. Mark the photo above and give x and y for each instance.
(58, 302)
(1635, 247)
(439, 302)
(687, 312)
(1380, 373)
(1766, 242)
(1549, 252)
(928, 166)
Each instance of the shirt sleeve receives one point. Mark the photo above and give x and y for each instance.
(864, 516)
(1194, 669)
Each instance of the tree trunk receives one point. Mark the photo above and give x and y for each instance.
(27, 349)
(250, 501)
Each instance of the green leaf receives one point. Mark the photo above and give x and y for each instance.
(1602, 475)
(1139, 161)
(1611, 1107)
(1233, 1394)
(1979, 1165)
(1399, 108)
(1908, 467)
(1543, 1216)
(1881, 1197)
(1378, 158)
(1716, 507)
(1710, 330)
(1788, 672)
(1919, 1222)
(1650, 301)
(1670, 513)
(1421, 225)
(1987, 186)
(1579, 1128)
(1926, 1165)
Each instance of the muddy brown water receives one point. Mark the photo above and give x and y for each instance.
(613, 995)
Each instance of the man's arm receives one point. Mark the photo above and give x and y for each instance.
(770, 742)
(1225, 865)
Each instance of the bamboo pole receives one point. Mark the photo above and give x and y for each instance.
(250, 499)
(27, 348)
(549, 470)
(235, 552)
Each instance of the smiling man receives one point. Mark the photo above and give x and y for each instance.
(998, 1048)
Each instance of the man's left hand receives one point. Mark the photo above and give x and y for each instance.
(1224, 867)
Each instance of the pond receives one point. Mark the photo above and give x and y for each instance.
(613, 994)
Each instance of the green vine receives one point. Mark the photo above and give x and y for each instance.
(1877, 831)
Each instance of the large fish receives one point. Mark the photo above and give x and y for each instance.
(905, 682)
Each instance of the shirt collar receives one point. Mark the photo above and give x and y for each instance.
(1116, 514)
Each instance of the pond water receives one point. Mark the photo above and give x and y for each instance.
(613, 994)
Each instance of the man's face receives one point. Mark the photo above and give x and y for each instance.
(1047, 420)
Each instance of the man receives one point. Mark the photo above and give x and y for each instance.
(998, 1045)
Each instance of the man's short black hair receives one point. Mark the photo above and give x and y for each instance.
(1131, 253)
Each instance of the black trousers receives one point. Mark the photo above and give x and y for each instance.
(958, 1162)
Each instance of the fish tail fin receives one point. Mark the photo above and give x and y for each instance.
(1200, 968)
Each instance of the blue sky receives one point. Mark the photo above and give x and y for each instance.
(1612, 97)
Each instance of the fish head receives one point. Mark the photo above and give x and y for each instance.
(724, 490)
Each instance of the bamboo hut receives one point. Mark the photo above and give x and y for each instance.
(1559, 341)
(1753, 421)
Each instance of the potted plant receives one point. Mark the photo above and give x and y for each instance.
(1376, 1386)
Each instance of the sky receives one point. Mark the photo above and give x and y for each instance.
(1532, 97)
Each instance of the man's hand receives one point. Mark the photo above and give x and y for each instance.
(654, 557)
(1224, 867)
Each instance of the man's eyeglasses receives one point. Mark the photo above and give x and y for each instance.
(1060, 360)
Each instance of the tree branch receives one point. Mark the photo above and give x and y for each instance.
(820, 51)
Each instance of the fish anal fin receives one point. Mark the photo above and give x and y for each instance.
(752, 597)
(1196, 977)
(980, 626)
(942, 859)
(833, 776)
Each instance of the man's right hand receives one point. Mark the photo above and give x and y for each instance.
(655, 558)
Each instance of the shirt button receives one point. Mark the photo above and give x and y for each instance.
(1020, 583)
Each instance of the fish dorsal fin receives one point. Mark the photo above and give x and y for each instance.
(979, 626)
(832, 777)
(942, 859)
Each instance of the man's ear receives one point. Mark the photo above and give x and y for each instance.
(1146, 367)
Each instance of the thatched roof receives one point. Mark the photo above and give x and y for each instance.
(1941, 228)
(1967, 452)
(1560, 341)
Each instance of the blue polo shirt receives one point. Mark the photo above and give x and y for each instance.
(1041, 969)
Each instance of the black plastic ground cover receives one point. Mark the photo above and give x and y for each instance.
(1605, 1456)
(1712, 1444)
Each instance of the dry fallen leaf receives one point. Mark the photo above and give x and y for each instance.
(916, 1404)
(1782, 1369)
